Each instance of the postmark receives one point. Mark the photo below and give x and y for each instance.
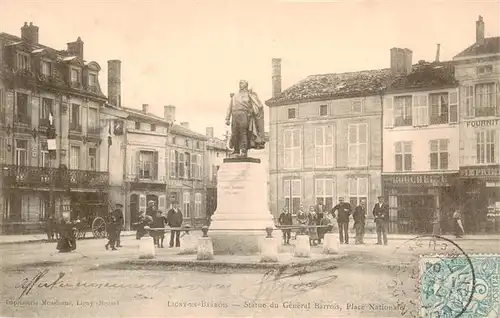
(458, 286)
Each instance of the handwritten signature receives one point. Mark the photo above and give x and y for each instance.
(277, 283)
(27, 285)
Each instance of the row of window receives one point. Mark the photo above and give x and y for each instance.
(429, 109)
(185, 165)
(23, 111)
(356, 107)
(325, 192)
(324, 146)
(23, 62)
(22, 154)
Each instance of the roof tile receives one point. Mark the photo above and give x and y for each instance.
(489, 46)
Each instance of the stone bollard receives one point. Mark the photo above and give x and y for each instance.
(331, 244)
(205, 249)
(188, 242)
(146, 246)
(269, 248)
(302, 245)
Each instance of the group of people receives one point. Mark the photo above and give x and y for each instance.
(319, 221)
(157, 220)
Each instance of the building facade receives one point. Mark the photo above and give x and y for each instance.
(52, 93)
(421, 147)
(216, 151)
(325, 139)
(478, 70)
(185, 182)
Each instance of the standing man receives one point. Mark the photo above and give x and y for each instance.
(344, 211)
(359, 216)
(118, 215)
(285, 219)
(381, 216)
(174, 219)
(151, 209)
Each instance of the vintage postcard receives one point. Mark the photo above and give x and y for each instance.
(169, 158)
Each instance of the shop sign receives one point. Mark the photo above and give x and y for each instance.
(483, 123)
(475, 172)
(428, 179)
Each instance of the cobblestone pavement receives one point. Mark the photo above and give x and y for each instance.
(368, 283)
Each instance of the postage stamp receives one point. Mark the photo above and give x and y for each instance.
(459, 285)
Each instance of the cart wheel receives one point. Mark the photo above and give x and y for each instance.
(99, 227)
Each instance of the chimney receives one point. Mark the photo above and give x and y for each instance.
(480, 30)
(210, 132)
(29, 33)
(276, 76)
(437, 52)
(185, 124)
(169, 113)
(401, 61)
(76, 48)
(114, 83)
(145, 108)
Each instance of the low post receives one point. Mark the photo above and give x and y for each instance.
(146, 246)
(302, 246)
(188, 242)
(331, 242)
(269, 248)
(205, 250)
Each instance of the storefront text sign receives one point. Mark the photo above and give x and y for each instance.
(429, 179)
(483, 123)
(477, 172)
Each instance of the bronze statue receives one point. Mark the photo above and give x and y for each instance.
(247, 124)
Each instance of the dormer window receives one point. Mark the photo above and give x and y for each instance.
(23, 61)
(75, 75)
(92, 79)
(46, 68)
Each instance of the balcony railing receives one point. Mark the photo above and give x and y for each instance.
(439, 119)
(75, 127)
(28, 176)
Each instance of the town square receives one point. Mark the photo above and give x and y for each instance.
(249, 159)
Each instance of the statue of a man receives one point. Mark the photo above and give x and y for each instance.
(247, 125)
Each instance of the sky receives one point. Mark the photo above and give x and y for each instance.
(191, 54)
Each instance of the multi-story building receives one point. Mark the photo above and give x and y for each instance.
(325, 139)
(42, 87)
(478, 71)
(185, 184)
(421, 145)
(216, 151)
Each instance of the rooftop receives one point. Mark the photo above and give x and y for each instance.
(334, 86)
(426, 75)
(488, 46)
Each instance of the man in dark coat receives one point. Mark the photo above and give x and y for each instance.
(381, 217)
(159, 221)
(111, 226)
(285, 219)
(174, 219)
(343, 210)
(151, 209)
(359, 216)
(118, 215)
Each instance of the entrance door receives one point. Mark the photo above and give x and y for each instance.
(416, 213)
(134, 208)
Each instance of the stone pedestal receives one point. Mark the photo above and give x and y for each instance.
(331, 243)
(146, 248)
(189, 244)
(269, 250)
(238, 225)
(302, 246)
(205, 250)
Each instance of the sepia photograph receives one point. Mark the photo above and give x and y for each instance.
(267, 158)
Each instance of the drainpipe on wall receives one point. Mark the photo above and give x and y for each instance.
(125, 184)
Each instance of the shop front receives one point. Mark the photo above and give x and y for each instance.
(480, 198)
(416, 200)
